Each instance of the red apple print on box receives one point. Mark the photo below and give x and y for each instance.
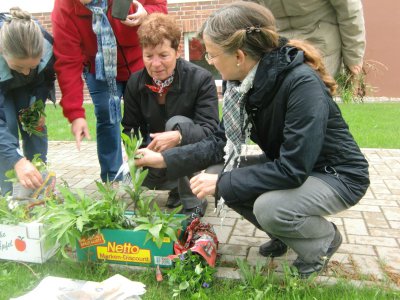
(20, 245)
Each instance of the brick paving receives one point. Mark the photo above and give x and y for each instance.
(370, 229)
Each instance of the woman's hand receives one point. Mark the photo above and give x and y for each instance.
(80, 130)
(149, 158)
(41, 122)
(138, 17)
(164, 140)
(27, 174)
(203, 184)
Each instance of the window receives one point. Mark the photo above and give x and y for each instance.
(194, 52)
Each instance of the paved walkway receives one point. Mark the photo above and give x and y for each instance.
(371, 229)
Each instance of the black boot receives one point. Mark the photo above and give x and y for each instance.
(306, 269)
(273, 248)
(173, 199)
(196, 212)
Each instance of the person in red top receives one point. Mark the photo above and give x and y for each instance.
(106, 58)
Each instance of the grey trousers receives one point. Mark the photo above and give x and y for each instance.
(157, 179)
(295, 216)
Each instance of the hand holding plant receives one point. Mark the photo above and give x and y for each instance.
(37, 162)
(148, 216)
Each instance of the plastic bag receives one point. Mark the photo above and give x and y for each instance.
(199, 238)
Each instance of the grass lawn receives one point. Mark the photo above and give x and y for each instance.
(58, 126)
(373, 125)
(17, 278)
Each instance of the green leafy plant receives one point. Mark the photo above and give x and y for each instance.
(30, 118)
(14, 215)
(75, 215)
(138, 175)
(160, 225)
(353, 88)
(79, 215)
(256, 280)
(190, 274)
(148, 215)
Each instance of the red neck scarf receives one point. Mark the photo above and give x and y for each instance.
(161, 86)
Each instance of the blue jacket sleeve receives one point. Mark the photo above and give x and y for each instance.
(8, 143)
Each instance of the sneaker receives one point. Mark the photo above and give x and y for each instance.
(196, 212)
(273, 248)
(306, 269)
(173, 199)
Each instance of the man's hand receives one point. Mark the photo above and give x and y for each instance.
(203, 184)
(164, 140)
(80, 130)
(356, 69)
(138, 17)
(149, 158)
(27, 174)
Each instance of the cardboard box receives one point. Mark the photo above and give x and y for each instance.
(23, 242)
(125, 247)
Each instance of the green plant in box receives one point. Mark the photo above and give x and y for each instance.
(12, 216)
(148, 215)
(79, 215)
(76, 215)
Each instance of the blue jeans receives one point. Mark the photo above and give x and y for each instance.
(31, 145)
(108, 135)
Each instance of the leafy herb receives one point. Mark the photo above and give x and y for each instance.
(30, 118)
(148, 216)
(13, 215)
(78, 215)
(160, 225)
(190, 274)
(81, 216)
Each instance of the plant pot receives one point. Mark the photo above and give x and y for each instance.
(125, 246)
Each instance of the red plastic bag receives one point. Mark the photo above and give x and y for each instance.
(199, 238)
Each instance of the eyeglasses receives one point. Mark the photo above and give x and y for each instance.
(208, 57)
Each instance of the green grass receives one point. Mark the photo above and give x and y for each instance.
(373, 125)
(18, 278)
(58, 127)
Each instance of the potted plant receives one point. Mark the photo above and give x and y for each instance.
(106, 229)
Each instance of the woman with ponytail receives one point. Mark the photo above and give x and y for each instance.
(279, 95)
(26, 81)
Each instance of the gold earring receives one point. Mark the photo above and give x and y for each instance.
(238, 65)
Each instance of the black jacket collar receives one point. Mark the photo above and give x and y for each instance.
(271, 71)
